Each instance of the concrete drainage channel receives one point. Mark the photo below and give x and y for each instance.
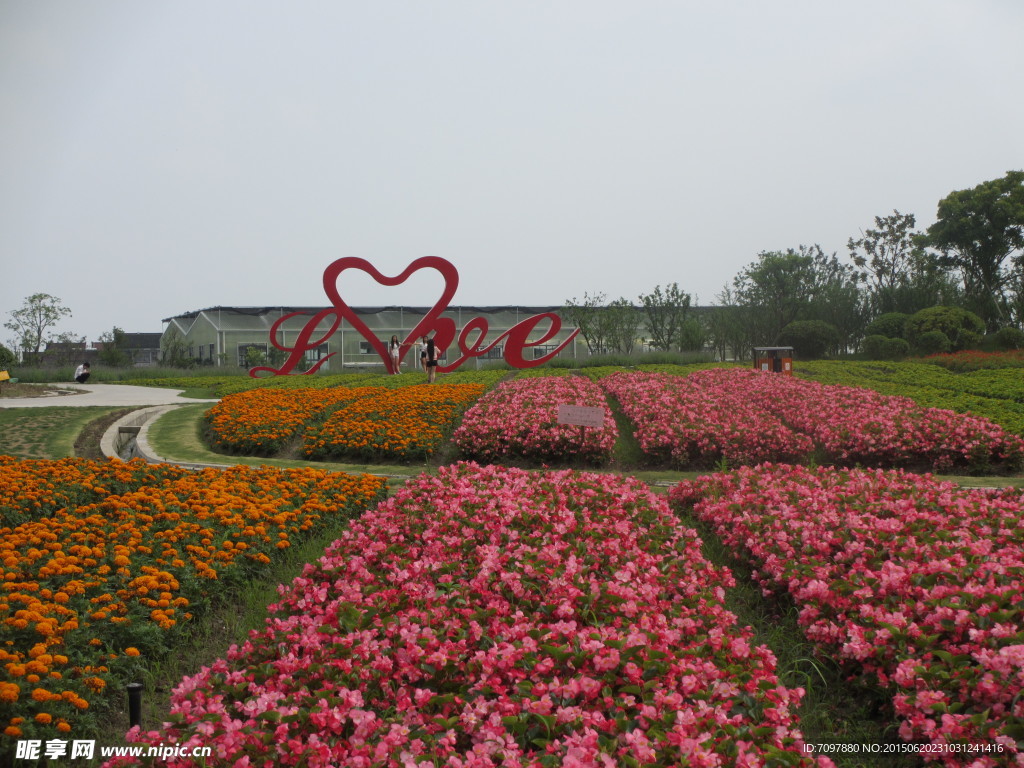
(127, 438)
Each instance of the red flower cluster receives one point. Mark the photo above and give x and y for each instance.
(498, 617)
(746, 416)
(915, 583)
(520, 419)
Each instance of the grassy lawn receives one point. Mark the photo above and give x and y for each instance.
(176, 436)
(44, 433)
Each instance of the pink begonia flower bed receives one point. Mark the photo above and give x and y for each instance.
(748, 416)
(916, 584)
(497, 617)
(519, 419)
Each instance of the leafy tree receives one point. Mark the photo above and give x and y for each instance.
(901, 275)
(693, 336)
(980, 231)
(623, 325)
(666, 312)
(7, 357)
(803, 284)
(255, 356)
(173, 350)
(64, 349)
(728, 327)
(589, 317)
(777, 288)
(115, 348)
(32, 323)
(838, 301)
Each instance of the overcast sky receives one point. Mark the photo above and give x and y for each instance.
(160, 157)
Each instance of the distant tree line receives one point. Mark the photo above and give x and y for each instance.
(957, 285)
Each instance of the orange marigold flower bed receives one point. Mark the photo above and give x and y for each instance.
(264, 421)
(404, 423)
(103, 563)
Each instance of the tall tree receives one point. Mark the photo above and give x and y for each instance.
(589, 316)
(728, 327)
(777, 290)
(980, 231)
(623, 325)
(32, 323)
(900, 273)
(666, 312)
(115, 348)
(782, 287)
(837, 300)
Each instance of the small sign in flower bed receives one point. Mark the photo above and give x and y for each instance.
(492, 616)
(519, 419)
(103, 564)
(403, 424)
(916, 584)
(746, 416)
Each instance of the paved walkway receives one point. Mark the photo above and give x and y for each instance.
(115, 395)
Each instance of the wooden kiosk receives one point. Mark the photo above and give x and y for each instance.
(774, 359)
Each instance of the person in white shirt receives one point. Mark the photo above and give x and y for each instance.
(82, 373)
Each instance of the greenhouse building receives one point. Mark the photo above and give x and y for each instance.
(240, 336)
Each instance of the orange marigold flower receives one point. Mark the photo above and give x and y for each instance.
(9, 692)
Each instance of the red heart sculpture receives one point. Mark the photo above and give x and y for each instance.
(442, 327)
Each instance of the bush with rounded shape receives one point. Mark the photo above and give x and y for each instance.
(963, 329)
(873, 346)
(6, 357)
(890, 325)
(895, 349)
(932, 343)
(809, 338)
(883, 348)
(1005, 339)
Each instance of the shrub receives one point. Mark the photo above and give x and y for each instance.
(890, 325)
(872, 346)
(963, 329)
(932, 343)
(895, 349)
(884, 348)
(1005, 339)
(810, 338)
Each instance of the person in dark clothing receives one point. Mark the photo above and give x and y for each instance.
(431, 360)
